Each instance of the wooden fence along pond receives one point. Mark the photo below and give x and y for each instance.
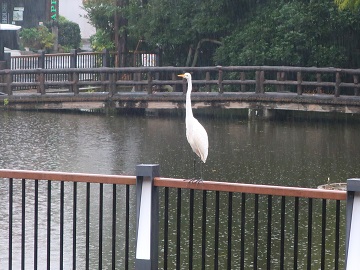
(60, 79)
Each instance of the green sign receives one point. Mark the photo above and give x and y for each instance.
(53, 9)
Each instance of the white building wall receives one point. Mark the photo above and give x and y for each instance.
(71, 10)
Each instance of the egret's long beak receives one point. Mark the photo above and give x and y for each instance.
(181, 75)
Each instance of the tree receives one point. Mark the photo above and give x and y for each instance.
(294, 33)
(348, 4)
(108, 17)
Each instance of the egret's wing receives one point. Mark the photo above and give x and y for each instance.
(198, 139)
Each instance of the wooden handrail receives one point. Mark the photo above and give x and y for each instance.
(177, 183)
(253, 189)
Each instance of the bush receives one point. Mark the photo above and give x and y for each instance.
(69, 34)
(39, 38)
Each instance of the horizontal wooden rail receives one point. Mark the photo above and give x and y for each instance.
(177, 183)
(68, 177)
(251, 188)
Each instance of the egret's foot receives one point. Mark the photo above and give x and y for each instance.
(194, 180)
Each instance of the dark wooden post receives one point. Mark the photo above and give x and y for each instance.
(112, 83)
(75, 81)
(207, 78)
(220, 82)
(337, 84)
(105, 58)
(149, 82)
(299, 81)
(7, 58)
(260, 78)
(243, 78)
(41, 80)
(8, 82)
(356, 82)
(41, 59)
(73, 58)
(318, 80)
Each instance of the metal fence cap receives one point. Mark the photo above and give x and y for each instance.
(152, 170)
(353, 184)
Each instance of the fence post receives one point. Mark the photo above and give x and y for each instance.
(337, 84)
(7, 58)
(147, 209)
(220, 82)
(352, 245)
(259, 80)
(41, 59)
(73, 58)
(105, 58)
(299, 81)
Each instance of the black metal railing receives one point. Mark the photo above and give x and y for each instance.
(69, 221)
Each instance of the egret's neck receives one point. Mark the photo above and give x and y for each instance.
(188, 100)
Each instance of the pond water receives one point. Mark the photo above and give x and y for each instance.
(305, 154)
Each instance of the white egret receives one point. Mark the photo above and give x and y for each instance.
(195, 132)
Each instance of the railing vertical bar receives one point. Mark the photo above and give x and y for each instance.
(282, 233)
(74, 222)
(114, 229)
(36, 222)
(229, 231)
(87, 228)
(11, 188)
(191, 228)
(166, 227)
(217, 227)
(310, 206)
(242, 236)
(296, 232)
(49, 225)
(178, 229)
(256, 230)
(101, 214)
(61, 225)
(23, 236)
(203, 236)
(127, 227)
(269, 223)
(337, 234)
(323, 234)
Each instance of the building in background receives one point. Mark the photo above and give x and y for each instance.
(72, 10)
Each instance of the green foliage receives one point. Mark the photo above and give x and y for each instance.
(69, 34)
(263, 32)
(101, 40)
(348, 4)
(38, 38)
(295, 33)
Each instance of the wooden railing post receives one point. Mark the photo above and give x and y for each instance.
(8, 79)
(105, 58)
(299, 81)
(73, 58)
(220, 81)
(147, 225)
(207, 78)
(242, 78)
(41, 59)
(337, 84)
(260, 77)
(75, 80)
(356, 82)
(149, 82)
(41, 80)
(7, 58)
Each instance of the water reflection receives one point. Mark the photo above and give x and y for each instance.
(290, 153)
